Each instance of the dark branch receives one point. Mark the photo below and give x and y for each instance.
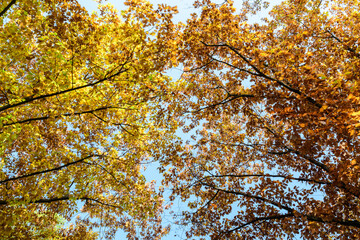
(208, 202)
(197, 68)
(111, 175)
(61, 92)
(266, 175)
(350, 223)
(230, 65)
(259, 73)
(346, 47)
(66, 198)
(58, 116)
(48, 170)
(102, 203)
(310, 159)
(226, 100)
(254, 221)
(116, 124)
(247, 195)
(7, 8)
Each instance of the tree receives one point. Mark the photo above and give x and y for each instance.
(275, 106)
(78, 93)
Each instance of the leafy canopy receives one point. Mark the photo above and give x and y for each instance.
(77, 92)
(275, 107)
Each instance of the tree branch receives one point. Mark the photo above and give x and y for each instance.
(111, 175)
(254, 221)
(66, 198)
(346, 47)
(350, 223)
(7, 8)
(272, 131)
(230, 65)
(266, 175)
(310, 159)
(259, 73)
(276, 204)
(58, 116)
(61, 92)
(226, 100)
(48, 170)
(208, 202)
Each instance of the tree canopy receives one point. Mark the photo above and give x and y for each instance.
(275, 108)
(270, 111)
(77, 94)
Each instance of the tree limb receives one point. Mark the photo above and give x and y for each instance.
(350, 223)
(65, 198)
(58, 116)
(60, 92)
(48, 170)
(7, 8)
(226, 100)
(266, 175)
(208, 202)
(259, 73)
(346, 47)
(275, 217)
(244, 194)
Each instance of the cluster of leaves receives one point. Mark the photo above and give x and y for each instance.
(84, 101)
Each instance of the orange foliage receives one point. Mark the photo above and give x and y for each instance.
(275, 106)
